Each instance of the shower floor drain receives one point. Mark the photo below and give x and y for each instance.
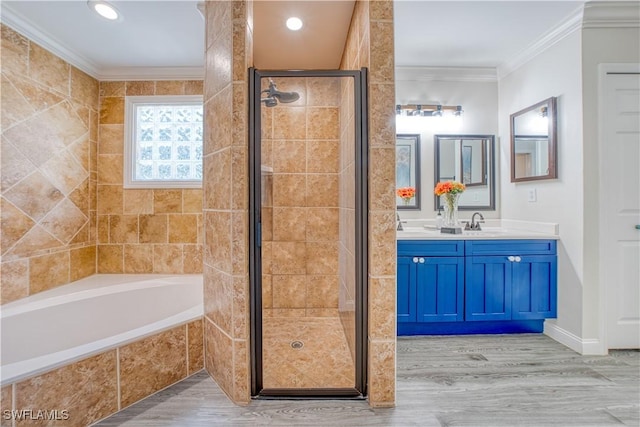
(297, 345)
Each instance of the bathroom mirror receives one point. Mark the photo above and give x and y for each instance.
(468, 159)
(408, 171)
(533, 142)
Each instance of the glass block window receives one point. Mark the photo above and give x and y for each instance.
(163, 145)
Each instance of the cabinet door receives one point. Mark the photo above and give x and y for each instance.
(440, 289)
(534, 286)
(488, 288)
(406, 289)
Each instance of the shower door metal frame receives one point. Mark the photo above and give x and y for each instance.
(360, 79)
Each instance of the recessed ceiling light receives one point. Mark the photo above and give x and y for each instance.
(104, 9)
(294, 24)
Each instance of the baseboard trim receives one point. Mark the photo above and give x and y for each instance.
(591, 346)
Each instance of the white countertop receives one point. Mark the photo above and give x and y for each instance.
(492, 230)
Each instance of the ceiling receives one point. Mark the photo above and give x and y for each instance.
(165, 39)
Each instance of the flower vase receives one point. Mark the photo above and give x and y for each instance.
(450, 206)
(406, 201)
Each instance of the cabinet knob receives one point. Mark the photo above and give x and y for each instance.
(415, 260)
(518, 259)
(421, 260)
(511, 258)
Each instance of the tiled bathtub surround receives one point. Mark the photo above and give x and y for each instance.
(142, 230)
(49, 139)
(96, 387)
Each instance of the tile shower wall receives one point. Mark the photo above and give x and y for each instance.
(370, 44)
(142, 230)
(98, 386)
(229, 44)
(300, 144)
(49, 140)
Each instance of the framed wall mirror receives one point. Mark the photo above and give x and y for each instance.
(468, 159)
(533, 142)
(408, 171)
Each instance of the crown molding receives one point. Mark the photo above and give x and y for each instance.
(151, 73)
(571, 24)
(16, 21)
(23, 26)
(452, 74)
(611, 14)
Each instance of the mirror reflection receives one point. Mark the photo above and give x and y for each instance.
(533, 142)
(467, 159)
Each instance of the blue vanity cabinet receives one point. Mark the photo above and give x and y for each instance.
(510, 279)
(430, 281)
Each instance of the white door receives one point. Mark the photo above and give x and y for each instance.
(620, 198)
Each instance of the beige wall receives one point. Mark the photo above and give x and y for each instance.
(300, 245)
(370, 44)
(142, 230)
(49, 140)
(226, 281)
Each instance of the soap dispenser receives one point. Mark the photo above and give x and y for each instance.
(439, 219)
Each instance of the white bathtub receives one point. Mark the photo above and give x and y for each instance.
(71, 322)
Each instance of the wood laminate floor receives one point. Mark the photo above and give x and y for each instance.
(480, 380)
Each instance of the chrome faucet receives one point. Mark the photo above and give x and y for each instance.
(474, 225)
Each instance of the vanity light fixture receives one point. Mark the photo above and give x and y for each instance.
(104, 9)
(294, 23)
(428, 110)
(544, 112)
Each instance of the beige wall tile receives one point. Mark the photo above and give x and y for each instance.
(382, 179)
(112, 111)
(15, 51)
(382, 373)
(382, 249)
(14, 280)
(123, 229)
(289, 156)
(239, 243)
(218, 355)
(322, 291)
(218, 240)
(15, 224)
(6, 403)
(110, 169)
(291, 123)
(64, 172)
(110, 259)
(20, 108)
(138, 201)
(167, 201)
(193, 87)
(109, 199)
(192, 201)
(289, 224)
(84, 88)
(382, 58)
(48, 69)
(108, 89)
(170, 87)
(323, 156)
(167, 259)
(82, 262)
(196, 346)
(289, 258)
(103, 228)
(218, 298)
(48, 271)
(322, 190)
(241, 307)
(241, 372)
(323, 91)
(34, 195)
(192, 259)
(289, 291)
(289, 190)
(322, 258)
(153, 228)
(322, 123)
(15, 165)
(138, 88)
(382, 319)
(267, 291)
(111, 139)
(80, 197)
(87, 389)
(322, 224)
(152, 364)
(36, 240)
(183, 228)
(64, 221)
(381, 9)
(382, 116)
(138, 259)
(217, 180)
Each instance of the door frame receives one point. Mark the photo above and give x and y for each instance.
(603, 70)
(360, 78)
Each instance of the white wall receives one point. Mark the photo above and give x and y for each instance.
(554, 72)
(479, 99)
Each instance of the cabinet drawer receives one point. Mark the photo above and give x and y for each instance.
(430, 248)
(510, 247)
